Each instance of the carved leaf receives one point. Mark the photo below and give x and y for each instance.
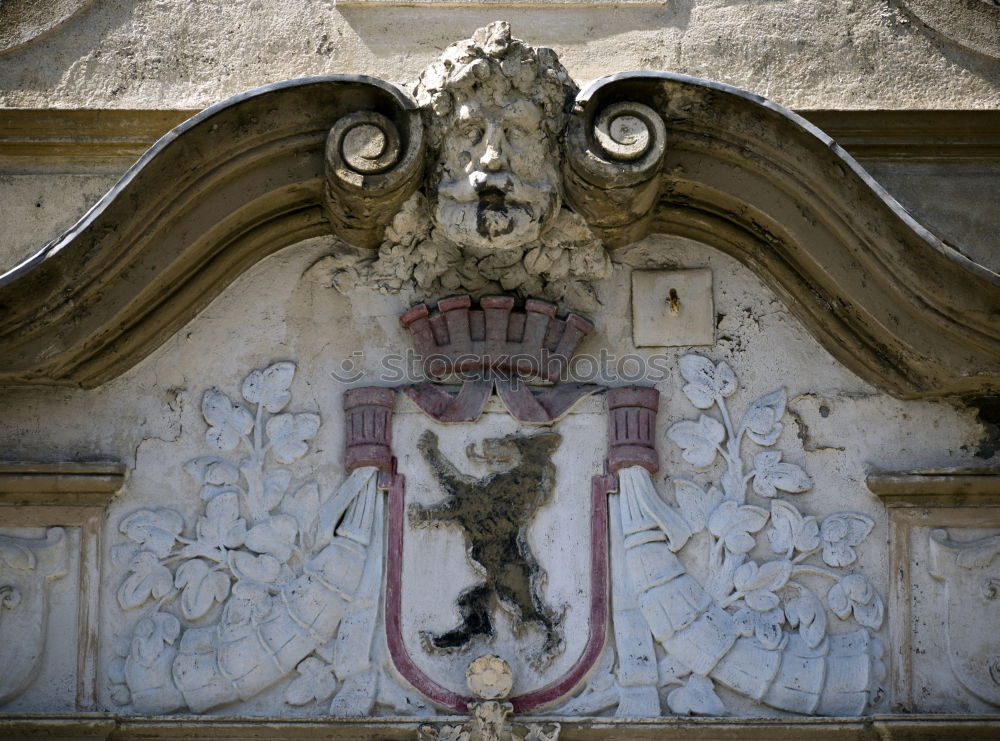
(766, 626)
(123, 553)
(270, 386)
(148, 578)
(154, 530)
(201, 586)
(733, 524)
(705, 380)
(315, 681)
(152, 634)
(443, 733)
(759, 583)
(263, 568)
(227, 421)
(789, 529)
(213, 471)
(697, 697)
(696, 505)
(855, 593)
(770, 474)
(249, 604)
(276, 481)
(303, 505)
(720, 580)
(275, 535)
(288, 433)
(806, 612)
(840, 533)
(761, 420)
(698, 440)
(222, 526)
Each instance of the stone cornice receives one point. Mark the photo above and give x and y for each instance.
(90, 483)
(937, 487)
(875, 728)
(244, 178)
(912, 135)
(48, 140)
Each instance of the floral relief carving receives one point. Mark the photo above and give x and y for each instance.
(276, 579)
(776, 583)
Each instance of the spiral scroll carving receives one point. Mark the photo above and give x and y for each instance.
(373, 164)
(627, 131)
(619, 151)
(362, 144)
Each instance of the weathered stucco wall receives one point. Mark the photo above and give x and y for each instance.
(784, 537)
(192, 53)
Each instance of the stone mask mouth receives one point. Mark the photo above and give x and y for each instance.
(492, 198)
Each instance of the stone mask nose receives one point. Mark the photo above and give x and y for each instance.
(493, 157)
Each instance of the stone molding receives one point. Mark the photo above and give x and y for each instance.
(57, 140)
(892, 302)
(875, 728)
(85, 140)
(59, 484)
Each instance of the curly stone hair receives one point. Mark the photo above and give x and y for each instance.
(491, 63)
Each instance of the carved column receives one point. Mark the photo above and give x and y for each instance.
(632, 428)
(369, 427)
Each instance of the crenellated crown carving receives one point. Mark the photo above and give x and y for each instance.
(460, 338)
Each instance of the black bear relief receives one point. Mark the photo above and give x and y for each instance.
(494, 512)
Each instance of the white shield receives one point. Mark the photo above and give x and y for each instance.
(431, 568)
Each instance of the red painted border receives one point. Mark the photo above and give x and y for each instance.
(600, 487)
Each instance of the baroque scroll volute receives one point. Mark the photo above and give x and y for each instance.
(614, 151)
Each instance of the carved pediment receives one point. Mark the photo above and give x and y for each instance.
(497, 177)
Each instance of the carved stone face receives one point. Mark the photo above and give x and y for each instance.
(498, 174)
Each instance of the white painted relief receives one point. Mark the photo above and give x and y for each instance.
(970, 572)
(762, 623)
(28, 565)
(278, 578)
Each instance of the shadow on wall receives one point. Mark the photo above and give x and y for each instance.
(585, 22)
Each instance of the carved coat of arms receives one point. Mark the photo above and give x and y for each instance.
(497, 508)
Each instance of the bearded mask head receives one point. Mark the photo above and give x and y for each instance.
(494, 109)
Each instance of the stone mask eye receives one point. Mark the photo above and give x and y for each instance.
(472, 131)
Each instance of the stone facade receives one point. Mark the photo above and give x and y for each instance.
(493, 405)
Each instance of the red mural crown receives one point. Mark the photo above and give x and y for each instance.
(531, 343)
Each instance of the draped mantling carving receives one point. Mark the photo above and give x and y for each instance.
(642, 152)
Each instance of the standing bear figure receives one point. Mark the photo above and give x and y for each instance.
(494, 512)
